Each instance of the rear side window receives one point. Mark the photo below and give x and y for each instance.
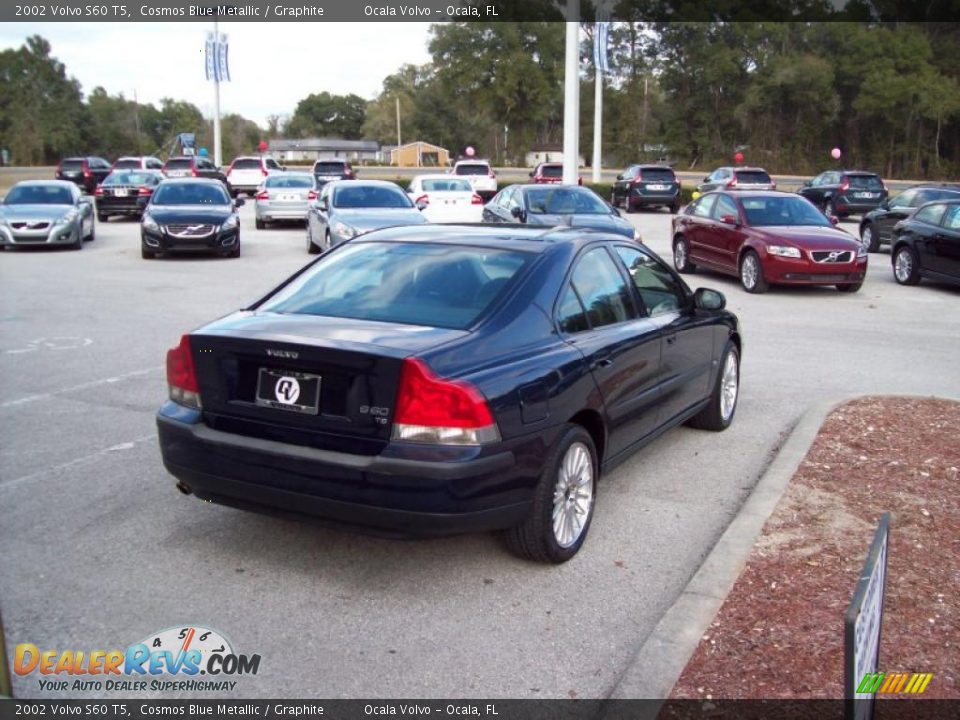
(931, 214)
(571, 317)
(604, 292)
(703, 206)
(246, 164)
(426, 284)
(472, 169)
(870, 182)
(753, 177)
(657, 175)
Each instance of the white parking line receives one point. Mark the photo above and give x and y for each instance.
(81, 386)
(4, 485)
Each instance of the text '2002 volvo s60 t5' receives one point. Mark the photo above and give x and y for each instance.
(429, 380)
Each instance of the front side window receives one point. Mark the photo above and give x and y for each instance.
(725, 206)
(951, 220)
(704, 205)
(604, 292)
(660, 291)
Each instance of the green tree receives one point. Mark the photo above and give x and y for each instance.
(326, 115)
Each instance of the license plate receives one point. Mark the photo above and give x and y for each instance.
(291, 391)
(177, 173)
(864, 195)
(656, 187)
(288, 198)
(121, 192)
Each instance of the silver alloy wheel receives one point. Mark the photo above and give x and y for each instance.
(729, 386)
(680, 254)
(828, 208)
(749, 271)
(903, 265)
(866, 237)
(573, 495)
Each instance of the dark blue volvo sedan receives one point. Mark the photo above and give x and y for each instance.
(443, 379)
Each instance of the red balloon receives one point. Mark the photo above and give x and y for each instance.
(263, 146)
(738, 157)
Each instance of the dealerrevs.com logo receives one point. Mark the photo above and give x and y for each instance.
(191, 658)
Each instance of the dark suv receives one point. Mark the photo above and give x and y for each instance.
(646, 186)
(194, 166)
(876, 228)
(326, 170)
(87, 172)
(845, 192)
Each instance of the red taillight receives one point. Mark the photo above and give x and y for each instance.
(430, 409)
(425, 199)
(492, 174)
(263, 195)
(193, 171)
(476, 200)
(144, 191)
(845, 185)
(230, 169)
(98, 191)
(182, 375)
(264, 171)
(86, 169)
(312, 195)
(732, 183)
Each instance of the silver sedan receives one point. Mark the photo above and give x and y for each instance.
(46, 212)
(284, 196)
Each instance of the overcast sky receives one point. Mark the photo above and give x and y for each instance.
(272, 65)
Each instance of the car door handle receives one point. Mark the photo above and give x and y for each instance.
(671, 340)
(603, 362)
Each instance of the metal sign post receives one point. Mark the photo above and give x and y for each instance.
(861, 626)
(217, 68)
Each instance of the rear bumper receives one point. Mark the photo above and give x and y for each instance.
(385, 494)
(121, 206)
(638, 196)
(271, 211)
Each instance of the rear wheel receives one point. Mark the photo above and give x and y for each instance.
(751, 273)
(675, 208)
(718, 414)
(102, 217)
(563, 502)
(851, 288)
(906, 268)
(147, 254)
(311, 246)
(259, 224)
(681, 256)
(869, 238)
(828, 208)
(627, 205)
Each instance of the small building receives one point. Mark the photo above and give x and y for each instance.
(420, 154)
(548, 152)
(311, 149)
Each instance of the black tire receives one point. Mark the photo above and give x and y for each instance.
(717, 416)
(869, 237)
(234, 252)
(327, 244)
(102, 217)
(312, 246)
(259, 224)
(627, 205)
(147, 254)
(535, 538)
(681, 255)
(675, 208)
(906, 265)
(77, 243)
(851, 288)
(93, 233)
(753, 282)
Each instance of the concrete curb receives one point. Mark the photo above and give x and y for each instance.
(664, 654)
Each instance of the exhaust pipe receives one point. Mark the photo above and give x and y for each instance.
(185, 489)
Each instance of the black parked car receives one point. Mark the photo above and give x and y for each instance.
(876, 228)
(87, 172)
(125, 192)
(441, 379)
(646, 186)
(326, 170)
(191, 215)
(550, 205)
(845, 192)
(927, 244)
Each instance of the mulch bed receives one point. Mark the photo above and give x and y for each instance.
(779, 634)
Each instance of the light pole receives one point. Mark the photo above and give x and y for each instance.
(571, 99)
(217, 150)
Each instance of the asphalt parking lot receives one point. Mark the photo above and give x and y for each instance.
(99, 550)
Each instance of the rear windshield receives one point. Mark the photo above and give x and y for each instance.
(131, 178)
(428, 284)
(753, 177)
(246, 164)
(444, 185)
(472, 169)
(179, 164)
(72, 165)
(355, 195)
(551, 171)
(39, 195)
(657, 175)
(128, 163)
(289, 181)
(190, 194)
(865, 181)
(328, 168)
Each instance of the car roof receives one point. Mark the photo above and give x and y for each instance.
(248, 157)
(858, 172)
(182, 157)
(652, 166)
(468, 161)
(753, 193)
(548, 187)
(135, 157)
(193, 181)
(935, 186)
(506, 235)
(363, 183)
(50, 183)
(435, 176)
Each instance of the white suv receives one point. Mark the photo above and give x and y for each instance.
(247, 173)
(480, 175)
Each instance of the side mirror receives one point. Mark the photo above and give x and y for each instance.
(707, 179)
(422, 205)
(885, 204)
(730, 220)
(834, 220)
(707, 299)
(283, 167)
(517, 212)
(807, 183)
(619, 177)
(530, 174)
(237, 202)
(322, 204)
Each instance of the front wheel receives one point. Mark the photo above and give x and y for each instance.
(751, 273)
(147, 254)
(906, 268)
(718, 414)
(869, 238)
(681, 256)
(563, 502)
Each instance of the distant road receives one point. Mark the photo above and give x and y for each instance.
(506, 175)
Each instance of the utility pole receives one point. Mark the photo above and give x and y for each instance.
(399, 143)
(571, 95)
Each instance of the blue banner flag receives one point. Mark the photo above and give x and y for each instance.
(601, 31)
(216, 60)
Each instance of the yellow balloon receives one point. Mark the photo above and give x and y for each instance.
(696, 194)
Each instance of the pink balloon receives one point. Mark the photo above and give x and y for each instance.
(738, 157)
(835, 153)
(470, 151)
